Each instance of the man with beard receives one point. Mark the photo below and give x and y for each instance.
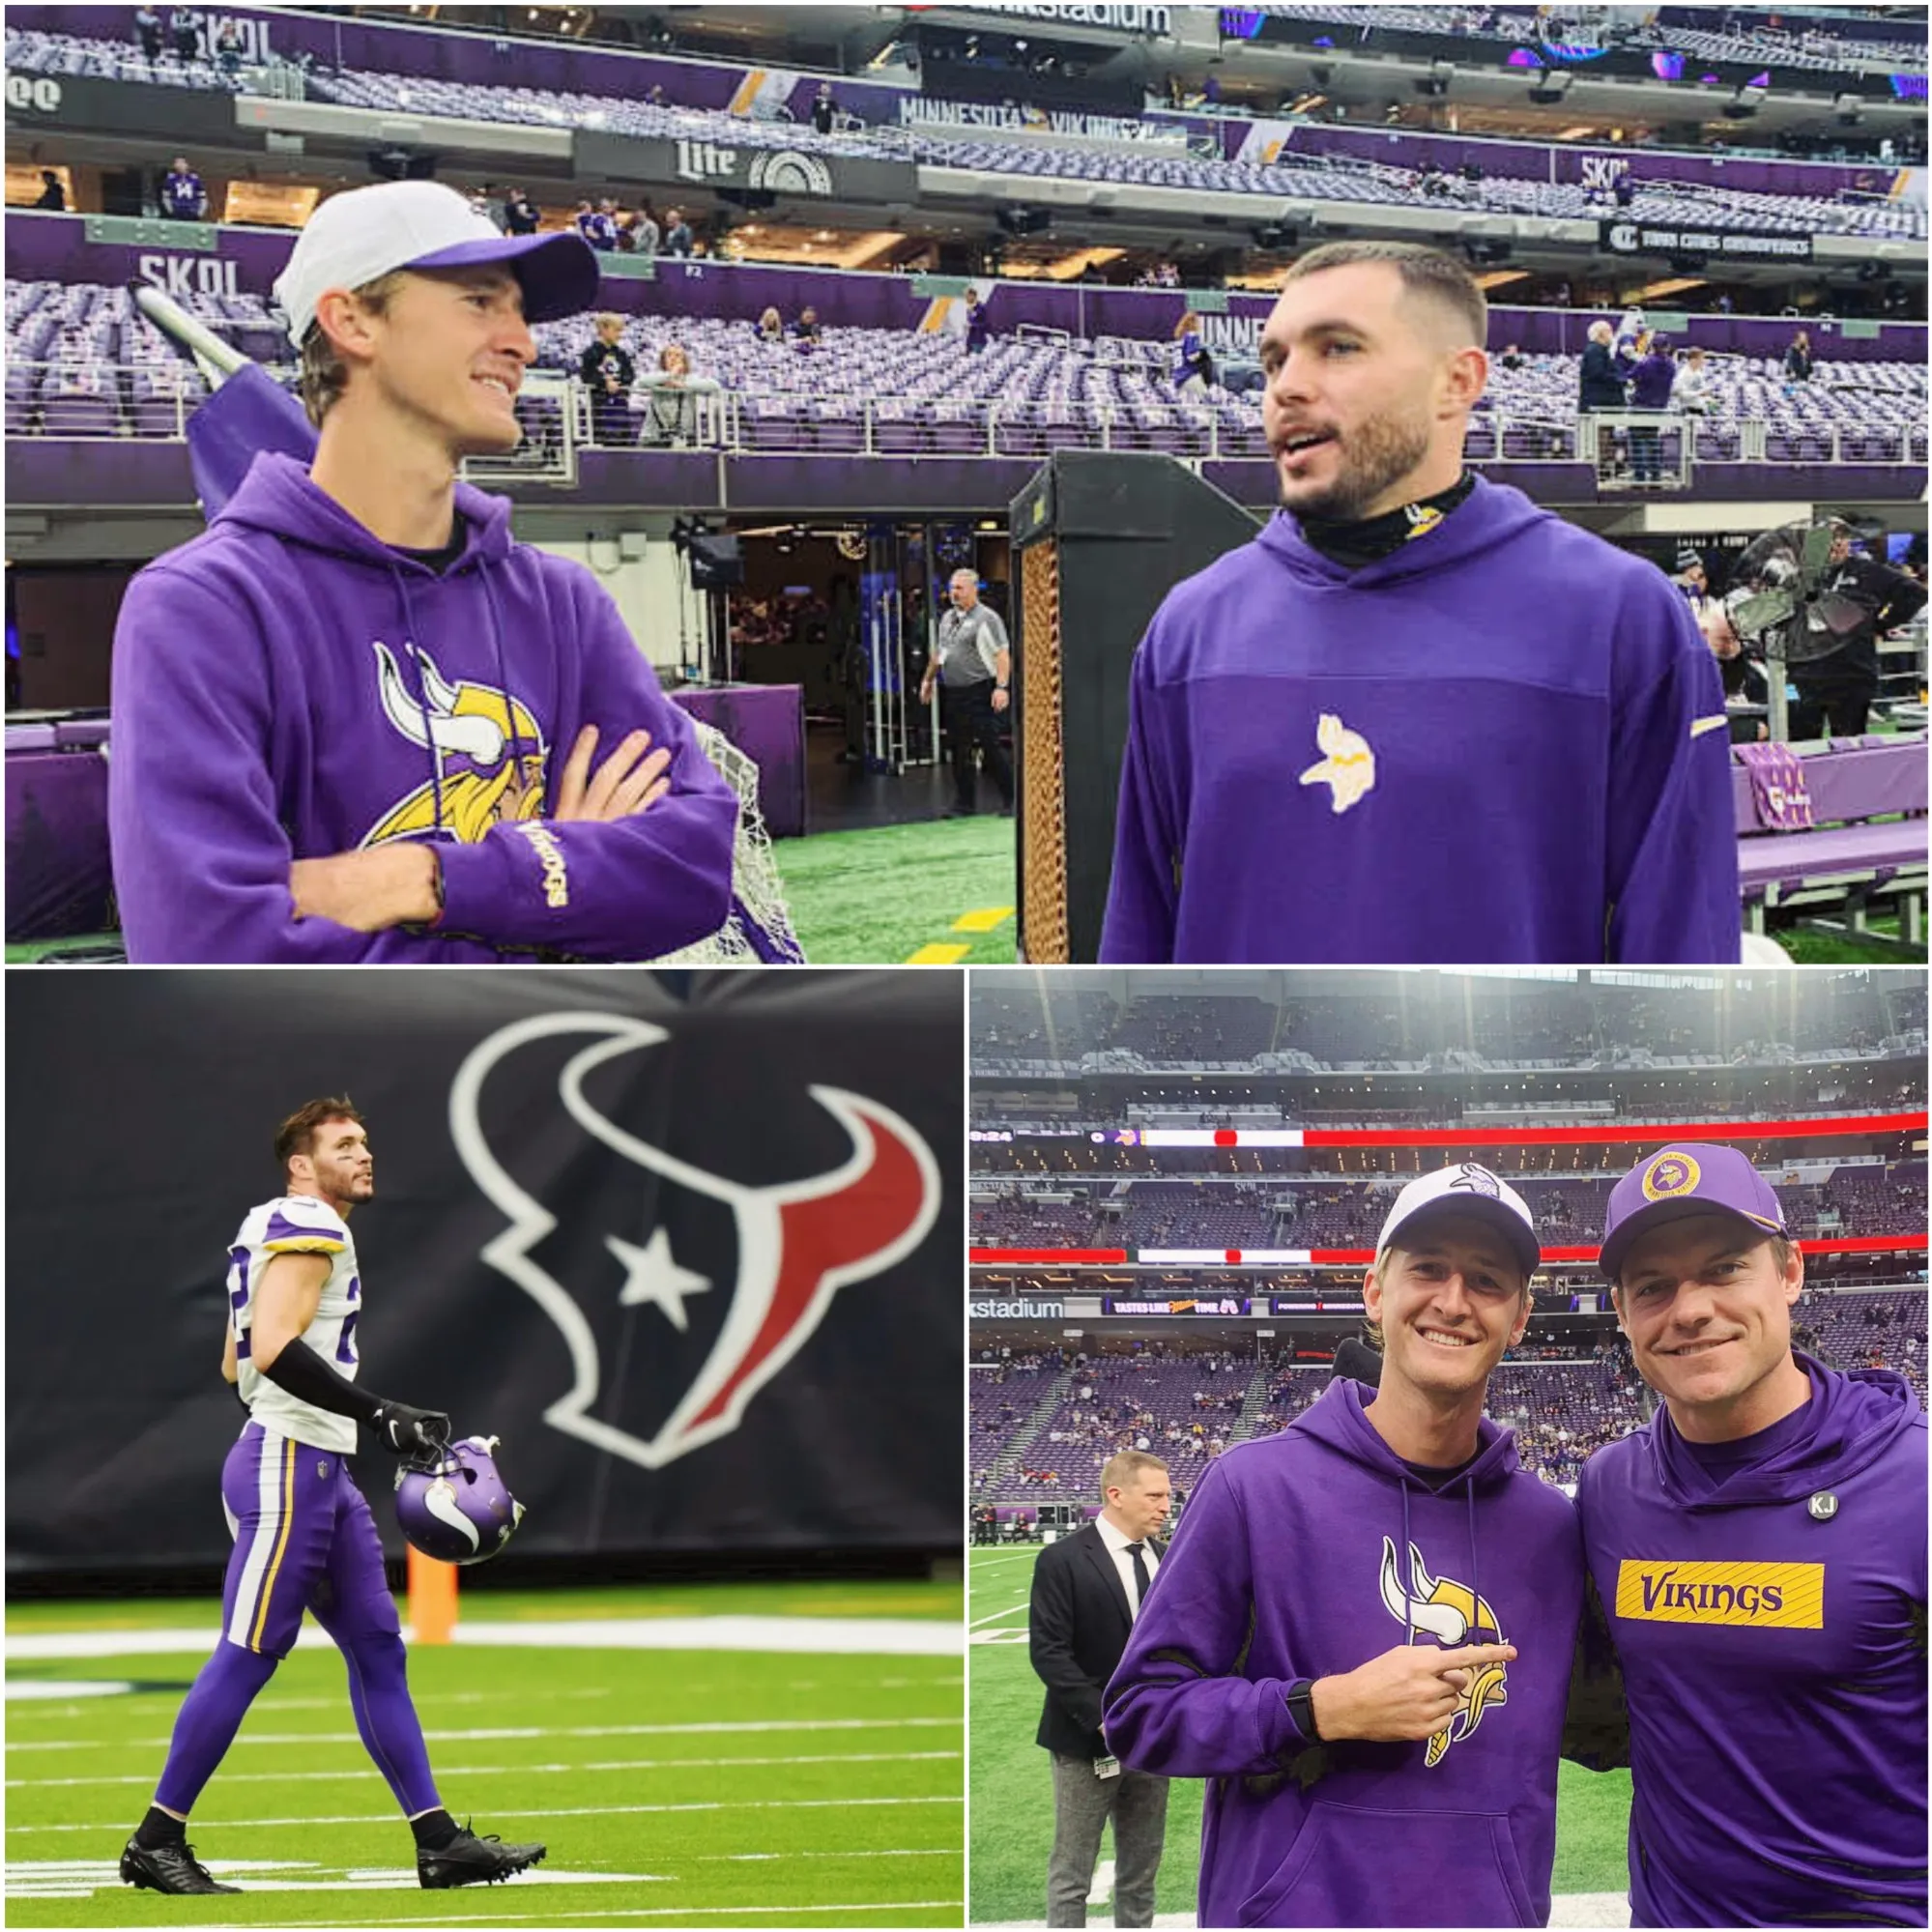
(1419, 718)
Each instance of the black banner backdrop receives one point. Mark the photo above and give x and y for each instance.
(702, 162)
(689, 1243)
(95, 106)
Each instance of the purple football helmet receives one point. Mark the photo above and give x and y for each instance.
(454, 1505)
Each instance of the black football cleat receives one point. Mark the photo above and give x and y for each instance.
(468, 1860)
(168, 1868)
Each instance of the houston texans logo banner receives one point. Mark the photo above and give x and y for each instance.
(688, 1243)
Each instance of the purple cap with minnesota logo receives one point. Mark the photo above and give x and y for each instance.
(1686, 1177)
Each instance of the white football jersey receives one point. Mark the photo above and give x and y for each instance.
(297, 1224)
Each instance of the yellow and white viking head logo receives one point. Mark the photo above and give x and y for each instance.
(489, 751)
(1670, 1174)
(1347, 767)
(1450, 1613)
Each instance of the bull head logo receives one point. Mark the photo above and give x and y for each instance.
(1448, 1612)
(798, 1243)
(499, 744)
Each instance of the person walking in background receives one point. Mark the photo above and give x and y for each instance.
(972, 666)
(183, 197)
(1088, 1591)
(1798, 358)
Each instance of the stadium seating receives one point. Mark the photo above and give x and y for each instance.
(1330, 177)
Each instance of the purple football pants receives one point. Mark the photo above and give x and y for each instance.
(305, 1539)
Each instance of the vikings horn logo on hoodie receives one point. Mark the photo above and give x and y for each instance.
(1449, 1612)
(488, 752)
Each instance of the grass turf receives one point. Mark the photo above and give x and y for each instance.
(1011, 1791)
(876, 897)
(709, 1788)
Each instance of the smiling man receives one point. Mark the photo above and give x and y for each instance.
(357, 720)
(1364, 1628)
(1418, 719)
(1758, 1550)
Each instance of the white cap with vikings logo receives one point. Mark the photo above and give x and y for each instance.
(1473, 1191)
(356, 237)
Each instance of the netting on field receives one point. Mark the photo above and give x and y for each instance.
(1043, 765)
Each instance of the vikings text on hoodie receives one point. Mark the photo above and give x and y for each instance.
(286, 686)
(1770, 1618)
(1504, 743)
(1304, 1555)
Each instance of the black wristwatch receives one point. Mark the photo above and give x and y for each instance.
(1299, 1697)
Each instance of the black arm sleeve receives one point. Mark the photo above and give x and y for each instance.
(309, 1379)
(1595, 1724)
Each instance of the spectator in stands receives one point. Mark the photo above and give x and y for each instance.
(1088, 1591)
(603, 232)
(520, 214)
(644, 232)
(1194, 367)
(1511, 357)
(348, 623)
(1652, 380)
(1374, 361)
(53, 194)
(972, 666)
(1297, 1632)
(183, 197)
(677, 240)
(585, 221)
(1798, 358)
(1835, 693)
(228, 47)
(672, 414)
(824, 109)
(148, 30)
(607, 373)
(976, 323)
(481, 206)
(805, 332)
(1832, 1826)
(185, 25)
(771, 329)
(1695, 391)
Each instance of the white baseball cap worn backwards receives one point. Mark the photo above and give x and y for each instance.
(354, 238)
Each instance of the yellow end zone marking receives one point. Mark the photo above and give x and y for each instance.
(937, 955)
(983, 920)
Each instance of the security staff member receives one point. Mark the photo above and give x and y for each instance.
(973, 665)
(1086, 1593)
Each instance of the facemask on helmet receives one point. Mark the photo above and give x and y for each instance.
(454, 1505)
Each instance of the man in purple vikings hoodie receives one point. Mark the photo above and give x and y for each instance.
(1418, 718)
(356, 720)
(1758, 1548)
(1363, 1631)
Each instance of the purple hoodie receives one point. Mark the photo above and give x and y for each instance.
(287, 686)
(1504, 743)
(1305, 1554)
(1772, 1645)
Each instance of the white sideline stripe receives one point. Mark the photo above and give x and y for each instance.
(571, 1811)
(760, 1858)
(76, 1879)
(639, 1912)
(999, 1615)
(525, 1731)
(1102, 1889)
(48, 1690)
(886, 1636)
(520, 1770)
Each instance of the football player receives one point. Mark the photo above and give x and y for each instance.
(304, 1538)
(1758, 1550)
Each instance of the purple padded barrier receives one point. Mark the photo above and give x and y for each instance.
(31, 738)
(767, 722)
(80, 734)
(58, 878)
(1851, 783)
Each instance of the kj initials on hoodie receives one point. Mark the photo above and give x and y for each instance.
(1766, 1599)
(1506, 742)
(288, 687)
(1304, 1555)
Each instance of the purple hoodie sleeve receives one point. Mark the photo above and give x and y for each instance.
(201, 857)
(623, 889)
(1175, 1706)
(1142, 896)
(1673, 842)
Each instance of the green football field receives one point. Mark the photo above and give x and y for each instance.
(701, 1786)
(1011, 1809)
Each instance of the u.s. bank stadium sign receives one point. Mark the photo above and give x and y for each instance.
(1123, 18)
(1018, 1310)
(1645, 238)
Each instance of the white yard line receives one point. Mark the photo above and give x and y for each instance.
(498, 1734)
(570, 1811)
(521, 1770)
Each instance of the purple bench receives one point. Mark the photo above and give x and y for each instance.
(1846, 860)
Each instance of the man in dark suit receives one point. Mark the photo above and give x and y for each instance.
(1087, 1590)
